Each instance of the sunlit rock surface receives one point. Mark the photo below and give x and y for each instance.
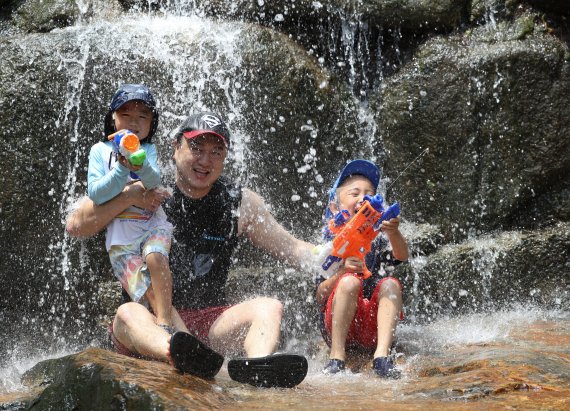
(99, 379)
(523, 366)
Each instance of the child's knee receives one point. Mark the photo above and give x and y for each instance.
(390, 287)
(348, 284)
(156, 260)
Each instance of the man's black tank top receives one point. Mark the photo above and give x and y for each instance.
(205, 236)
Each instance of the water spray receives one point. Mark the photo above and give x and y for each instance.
(408, 166)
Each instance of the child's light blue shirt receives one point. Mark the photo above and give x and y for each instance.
(106, 177)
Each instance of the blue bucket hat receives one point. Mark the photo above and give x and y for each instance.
(126, 93)
(356, 167)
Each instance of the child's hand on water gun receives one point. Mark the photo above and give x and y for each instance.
(125, 163)
(353, 265)
(354, 239)
(128, 148)
(392, 225)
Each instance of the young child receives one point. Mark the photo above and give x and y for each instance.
(359, 313)
(138, 241)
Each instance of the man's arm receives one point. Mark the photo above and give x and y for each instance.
(88, 218)
(259, 225)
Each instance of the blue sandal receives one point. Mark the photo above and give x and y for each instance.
(384, 367)
(334, 366)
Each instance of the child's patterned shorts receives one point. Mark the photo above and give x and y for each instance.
(128, 261)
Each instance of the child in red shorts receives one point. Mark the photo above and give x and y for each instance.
(355, 312)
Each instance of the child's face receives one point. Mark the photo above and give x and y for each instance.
(135, 116)
(350, 195)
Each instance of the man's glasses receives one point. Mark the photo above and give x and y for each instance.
(216, 154)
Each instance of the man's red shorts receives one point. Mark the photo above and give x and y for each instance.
(197, 321)
(363, 332)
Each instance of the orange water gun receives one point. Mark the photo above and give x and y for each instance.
(354, 238)
(128, 145)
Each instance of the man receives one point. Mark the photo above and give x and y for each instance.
(209, 213)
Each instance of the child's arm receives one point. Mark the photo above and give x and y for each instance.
(102, 187)
(397, 240)
(149, 173)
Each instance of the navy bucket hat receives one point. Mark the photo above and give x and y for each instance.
(356, 167)
(126, 93)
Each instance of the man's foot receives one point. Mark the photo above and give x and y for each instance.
(277, 370)
(334, 366)
(191, 356)
(384, 367)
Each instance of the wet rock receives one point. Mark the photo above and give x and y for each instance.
(494, 271)
(100, 379)
(281, 106)
(490, 107)
(409, 15)
(523, 366)
(46, 15)
(552, 6)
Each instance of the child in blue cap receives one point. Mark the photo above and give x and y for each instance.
(358, 313)
(138, 241)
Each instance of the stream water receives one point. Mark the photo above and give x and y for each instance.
(516, 359)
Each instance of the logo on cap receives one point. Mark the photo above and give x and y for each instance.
(211, 121)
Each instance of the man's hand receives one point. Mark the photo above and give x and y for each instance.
(149, 200)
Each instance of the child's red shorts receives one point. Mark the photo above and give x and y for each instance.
(363, 332)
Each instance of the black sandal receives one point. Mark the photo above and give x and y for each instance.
(277, 370)
(191, 356)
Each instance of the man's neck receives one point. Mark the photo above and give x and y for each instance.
(193, 193)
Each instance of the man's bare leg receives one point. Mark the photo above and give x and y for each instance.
(253, 326)
(135, 327)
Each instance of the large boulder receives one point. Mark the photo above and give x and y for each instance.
(510, 269)
(282, 109)
(406, 14)
(491, 107)
(46, 15)
(103, 380)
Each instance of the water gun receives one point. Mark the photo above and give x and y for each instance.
(354, 237)
(128, 145)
